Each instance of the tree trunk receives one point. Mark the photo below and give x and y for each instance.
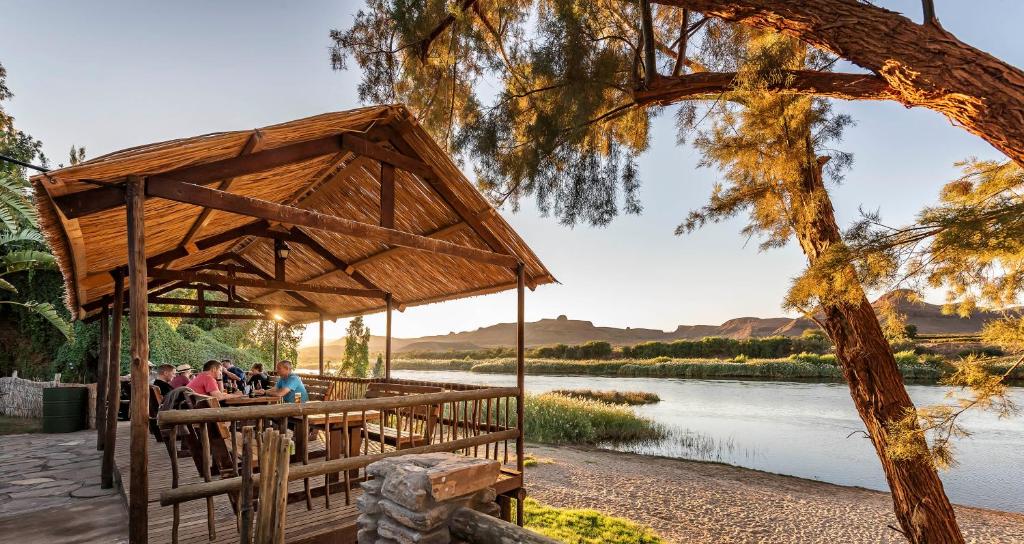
(924, 64)
(876, 385)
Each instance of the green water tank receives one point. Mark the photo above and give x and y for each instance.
(64, 409)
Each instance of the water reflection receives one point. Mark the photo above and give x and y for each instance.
(801, 429)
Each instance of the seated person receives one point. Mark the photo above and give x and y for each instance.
(164, 377)
(208, 382)
(183, 375)
(233, 376)
(288, 384)
(258, 379)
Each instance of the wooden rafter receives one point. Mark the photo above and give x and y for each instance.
(91, 201)
(251, 146)
(448, 196)
(354, 267)
(271, 211)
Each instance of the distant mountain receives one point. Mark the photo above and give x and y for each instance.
(928, 318)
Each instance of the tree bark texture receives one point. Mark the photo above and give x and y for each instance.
(876, 385)
(924, 64)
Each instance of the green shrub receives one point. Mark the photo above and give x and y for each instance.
(579, 526)
(190, 332)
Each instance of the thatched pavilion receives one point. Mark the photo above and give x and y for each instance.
(337, 215)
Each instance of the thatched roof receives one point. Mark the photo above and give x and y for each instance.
(434, 200)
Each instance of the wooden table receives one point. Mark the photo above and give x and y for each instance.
(335, 425)
(248, 401)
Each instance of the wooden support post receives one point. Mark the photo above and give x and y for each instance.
(113, 385)
(101, 378)
(387, 339)
(520, 362)
(387, 195)
(138, 505)
(201, 299)
(321, 351)
(520, 376)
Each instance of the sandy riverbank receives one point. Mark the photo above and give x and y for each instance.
(693, 502)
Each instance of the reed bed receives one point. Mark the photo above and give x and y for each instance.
(629, 398)
(557, 419)
(803, 366)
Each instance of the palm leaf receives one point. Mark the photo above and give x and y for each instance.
(7, 286)
(15, 203)
(23, 235)
(27, 259)
(48, 312)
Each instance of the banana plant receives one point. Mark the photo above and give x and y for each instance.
(19, 232)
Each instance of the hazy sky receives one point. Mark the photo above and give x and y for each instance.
(110, 75)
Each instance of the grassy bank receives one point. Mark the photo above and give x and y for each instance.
(579, 526)
(805, 366)
(557, 419)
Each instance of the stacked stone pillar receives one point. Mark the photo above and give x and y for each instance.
(411, 498)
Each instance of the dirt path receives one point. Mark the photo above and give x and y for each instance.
(692, 502)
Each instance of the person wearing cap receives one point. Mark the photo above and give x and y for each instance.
(183, 375)
(164, 377)
(233, 376)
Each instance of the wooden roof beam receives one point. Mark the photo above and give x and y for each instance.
(289, 215)
(265, 275)
(251, 145)
(230, 304)
(96, 200)
(449, 197)
(353, 267)
(218, 279)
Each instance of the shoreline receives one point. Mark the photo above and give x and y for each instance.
(700, 501)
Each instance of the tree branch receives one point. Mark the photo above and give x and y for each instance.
(440, 28)
(926, 65)
(669, 90)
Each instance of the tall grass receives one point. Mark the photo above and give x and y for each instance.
(556, 419)
(579, 526)
(630, 398)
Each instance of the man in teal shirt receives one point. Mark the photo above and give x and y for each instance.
(288, 384)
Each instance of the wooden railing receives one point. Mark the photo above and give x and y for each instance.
(472, 420)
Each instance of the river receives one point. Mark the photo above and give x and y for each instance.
(810, 430)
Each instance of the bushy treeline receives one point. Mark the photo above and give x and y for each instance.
(709, 347)
(716, 346)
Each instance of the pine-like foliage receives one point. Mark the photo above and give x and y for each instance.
(356, 361)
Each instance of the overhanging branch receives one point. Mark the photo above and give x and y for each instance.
(669, 90)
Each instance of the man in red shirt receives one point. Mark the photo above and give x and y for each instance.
(208, 381)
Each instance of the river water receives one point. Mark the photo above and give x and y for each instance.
(810, 430)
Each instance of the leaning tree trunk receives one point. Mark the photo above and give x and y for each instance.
(924, 64)
(876, 385)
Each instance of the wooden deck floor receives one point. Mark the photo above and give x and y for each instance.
(319, 525)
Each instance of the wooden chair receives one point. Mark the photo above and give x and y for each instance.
(407, 433)
(155, 400)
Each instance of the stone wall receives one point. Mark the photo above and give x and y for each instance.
(24, 398)
(411, 498)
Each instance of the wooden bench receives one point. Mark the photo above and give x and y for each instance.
(408, 434)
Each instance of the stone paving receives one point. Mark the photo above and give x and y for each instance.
(50, 491)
